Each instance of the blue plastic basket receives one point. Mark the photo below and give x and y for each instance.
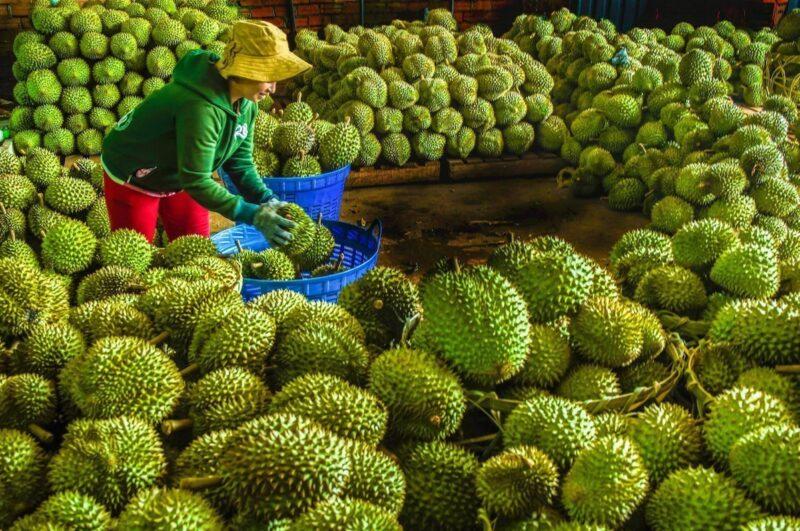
(317, 194)
(358, 246)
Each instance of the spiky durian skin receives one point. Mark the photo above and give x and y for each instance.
(672, 288)
(771, 382)
(668, 439)
(440, 486)
(765, 331)
(553, 284)
(477, 321)
(611, 423)
(68, 247)
(548, 358)
(110, 460)
(773, 523)
(69, 509)
(606, 483)
(375, 477)
(699, 243)
(766, 462)
(517, 482)
(22, 471)
(280, 465)
(27, 399)
(346, 514)
(322, 313)
(110, 317)
(383, 301)
(737, 412)
(126, 248)
(335, 405)
(424, 398)
(589, 382)
(202, 458)
(28, 297)
(607, 332)
(226, 398)
(123, 376)
(555, 425)
(169, 508)
(748, 270)
(718, 366)
(278, 304)
(244, 339)
(320, 347)
(697, 499)
(186, 248)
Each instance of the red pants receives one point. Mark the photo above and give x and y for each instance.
(131, 209)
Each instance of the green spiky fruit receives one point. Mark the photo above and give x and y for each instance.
(589, 382)
(126, 248)
(548, 358)
(607, 331)
(440, 489)
(773, 523)
(334, 404)
(16, 192)
(160, 62)
(171, 507)
(22, 474)
(184, 249)
(700, 243)
(557, 426)
(69, 247)
(271, 264)
(47, 349)
(672, 288)
(145, 383)
(424, 398)
(483, 297)
(346, 514)
(517, 482)
(748, 271)
(375, 477)
(671, 213)
(27, 400)
(68, 509)
(606, 483)
(88, 460)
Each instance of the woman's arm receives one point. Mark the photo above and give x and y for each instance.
(197, 131)
(242, 169)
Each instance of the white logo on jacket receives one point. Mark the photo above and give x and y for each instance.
(240, 131)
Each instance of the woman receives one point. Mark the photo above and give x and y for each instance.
(159, 158)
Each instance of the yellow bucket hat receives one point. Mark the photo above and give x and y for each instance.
(259, 51)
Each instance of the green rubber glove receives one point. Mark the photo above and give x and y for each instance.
(272, 225)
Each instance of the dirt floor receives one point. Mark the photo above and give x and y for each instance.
(425, 222)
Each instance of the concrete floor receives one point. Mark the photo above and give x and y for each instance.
(425, 222)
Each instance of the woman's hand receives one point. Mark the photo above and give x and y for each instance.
(272, 225)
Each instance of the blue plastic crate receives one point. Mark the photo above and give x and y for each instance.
(317, 194)
(358, 246)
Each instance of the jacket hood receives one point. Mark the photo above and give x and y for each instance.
(197, 72)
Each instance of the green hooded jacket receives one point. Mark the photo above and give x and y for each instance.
(178, 136)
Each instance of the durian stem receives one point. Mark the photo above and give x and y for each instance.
(40, 433)
(160, 338)
(200, 483)
(168, 427)
(40, 197)
(485, 521)
(478, 440)
(788, 369)
(189, 370)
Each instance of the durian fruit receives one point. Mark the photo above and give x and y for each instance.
(184, 249)
(243, 339)
(773, 383)
(280, 466)
(606, 483)
(320, 250)
(773, 523)
(68, 247)
(668, 439)
(557, 426)
(111, 317)
(699, 244)
(346, 514)
(28, 402)
(549, 357)
(607, 331)
(68, 509)
(375, 477)
(91, 452)
(126, 248)
(277, 304)
(320, 347)
(322, 312)
(123, 376)
(737, 412)
(765, 462)
(517, 482)
(222, 399)
(174, 508)
(47, 348)
(698, 498)
(440, 486)
(107, 282)
(424, 398)
(335, 405)
(22, 474)
(202, 458)
(672, 288)
(271, 264)
(383, 301)
(339, 146)
(302, 233)
(477, 322)
(764, 331)
(718, 366)
(748, 270)
(70, 196)
(589, 382)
